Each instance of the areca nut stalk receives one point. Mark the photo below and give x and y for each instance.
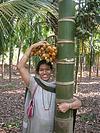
(65, 65)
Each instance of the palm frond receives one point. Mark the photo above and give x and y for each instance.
(18, 8)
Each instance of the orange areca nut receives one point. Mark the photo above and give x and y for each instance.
(47, 52)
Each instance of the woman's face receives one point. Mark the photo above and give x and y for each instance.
(45, 72)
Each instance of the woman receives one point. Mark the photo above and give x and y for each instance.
(42, 122)
(43, 88)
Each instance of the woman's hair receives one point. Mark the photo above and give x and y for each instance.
(41, 63)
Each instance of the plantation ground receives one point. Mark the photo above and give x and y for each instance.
(12, 101)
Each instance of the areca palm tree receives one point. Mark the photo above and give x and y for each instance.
(65, 65)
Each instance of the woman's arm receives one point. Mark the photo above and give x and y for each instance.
(21, 65)
(63, 107)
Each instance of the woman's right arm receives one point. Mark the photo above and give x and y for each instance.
(21, 65)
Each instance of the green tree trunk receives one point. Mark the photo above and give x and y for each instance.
(65, 65)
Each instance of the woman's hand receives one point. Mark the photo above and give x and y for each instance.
(34, 46)
(40, 43)
(63, 107)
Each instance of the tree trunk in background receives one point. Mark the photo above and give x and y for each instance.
(81, 60)
(97, 73)
(2, 65)
(10, 61)
(19, 50)
(91, 56)
(65, 65)
(30, 40)
(77, 64)
(29, 68)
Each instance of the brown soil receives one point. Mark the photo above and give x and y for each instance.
(88, 116)
(12, 101)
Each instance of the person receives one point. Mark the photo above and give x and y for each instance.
(43, 87)
(42, 121)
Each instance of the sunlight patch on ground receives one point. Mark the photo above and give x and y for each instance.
(84, 111)
(90, 94)
(83, 83)
(14, 92)
(13, 77)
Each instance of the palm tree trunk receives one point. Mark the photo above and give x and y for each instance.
(81, 60)
(77, 64)
(19, 50)
(2, 65)
(65, 65)
(10, 61)
(97, 72)
(91, 55)
(30, 40)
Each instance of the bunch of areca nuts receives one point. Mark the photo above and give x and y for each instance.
(46, 52)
